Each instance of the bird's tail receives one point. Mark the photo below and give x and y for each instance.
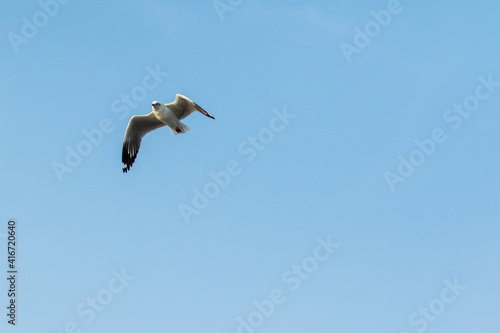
(180, 129)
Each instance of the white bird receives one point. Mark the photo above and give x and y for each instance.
(162, 114)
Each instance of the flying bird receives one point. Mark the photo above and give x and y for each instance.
(162, 115)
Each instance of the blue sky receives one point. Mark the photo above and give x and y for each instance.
(310, 228)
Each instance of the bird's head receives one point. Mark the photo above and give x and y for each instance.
(156, 105)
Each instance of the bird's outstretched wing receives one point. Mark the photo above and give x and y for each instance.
(138, 126)
(183, 107)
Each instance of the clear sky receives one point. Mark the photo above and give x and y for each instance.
(348, 184)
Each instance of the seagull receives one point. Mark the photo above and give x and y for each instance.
(162, 115)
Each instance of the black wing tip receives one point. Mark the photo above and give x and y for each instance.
(127, 160)
(202, 110)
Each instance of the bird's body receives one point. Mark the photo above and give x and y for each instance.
(162, 115)
(168, 117)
